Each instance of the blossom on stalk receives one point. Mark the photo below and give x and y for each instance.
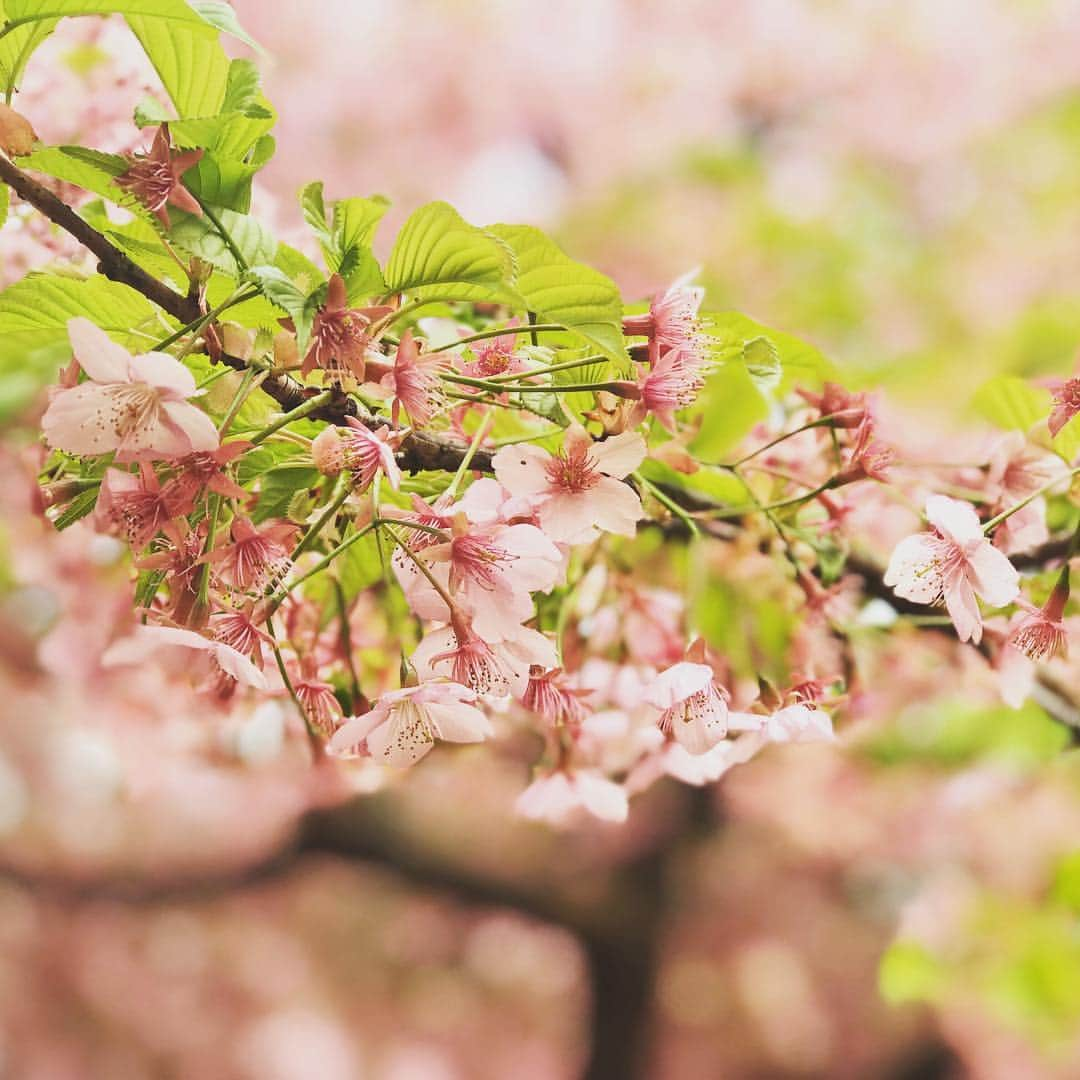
(154, 178)
(671, 322)
(403, 725)
(579, 491)
(671, 383)
(204, 471)
(355, 449)
(136, 406)
(1066, 404)
(847, 409)
(321, 707)
(954, 563)
(414, 381)
(693, 708)
(145, 639)
(254, 557)
(495, 667)
(546, 696)
(134, 505)
(1040, 633)
(339, 335)
(868, 458)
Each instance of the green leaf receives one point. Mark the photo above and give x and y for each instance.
(1066, 887)
(223, 15)
(300, 306)
(197, 12)
(198, 236)
(222, 183)
(88, 169)
(558, 289)
(437, 253)
(909, 972)
(736, 337)
(346, 244)
(729, 405)
(1011, 403)
(35, 311)
(242, 93)
(280, 485)
(188, 59)
(4, 201)
(16, 48)
(77, 509)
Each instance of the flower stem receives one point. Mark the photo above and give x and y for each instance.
(311, 405)
(997, 519)
(670, 503)
(474, 445)
(821, 421)
(195, 325)
(502, 331)
(335, 504)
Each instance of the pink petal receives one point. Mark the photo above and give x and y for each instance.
(460, 723)
(994, 578)
(963, 609)
(520, 469)
(953, 518)
(677, 684)
(620, 455)
(164, 372)
(616, 507)
(98, 355)
(197, 429)
(913, 573)
(76, 420)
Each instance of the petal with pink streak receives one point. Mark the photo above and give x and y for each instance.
(995, 578)
(348, 737)
(963, 609)
(404, 738)
(620, 455)
(98, 355)
(569, 518)
(234, 663)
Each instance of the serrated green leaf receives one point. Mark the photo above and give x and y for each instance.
(222, 183)
(279, 485)
(438, 253)
(558, 289)
(263, 458)
(17, 46)
(88, 169)
(242, 87)
(299, 305)
(189, 60)
(35, 311)
(223, 15)
(77, 509)
(198, 236)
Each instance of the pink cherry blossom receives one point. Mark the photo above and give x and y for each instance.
(693, 708)
(560, 795)
(558, 704)
(1040, 633)
(134, 505)
(339, 337)
(672, 323)
(414, 380)
(487, 666)
(1066, 404)
(671, 383)
(577, 492)
(954, 563)
(254, 557)
(317, 699)
(134, 405)
(403, 724)
(361, 452)
(154, 178)
(145, 639)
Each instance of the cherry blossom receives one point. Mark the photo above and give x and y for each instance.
(154, 178)
(672, 323)
(693, 708)
(557, 796)
(355, 449)
(414, 381)
(254, 556)
(145, 639)
(1066, 404)
(1040, 633)
(403, 724)
(954, 564)
(577, 492)
(136, 406)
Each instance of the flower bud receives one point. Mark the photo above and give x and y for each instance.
(328, 451)
(17, 136)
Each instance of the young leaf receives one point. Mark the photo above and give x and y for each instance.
(17, 45)
(198, 236)
(557, 289)
(280, 485)
(301, 306)
(437, 253)
(735, 337)
(1011, 403)
(222, 183)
